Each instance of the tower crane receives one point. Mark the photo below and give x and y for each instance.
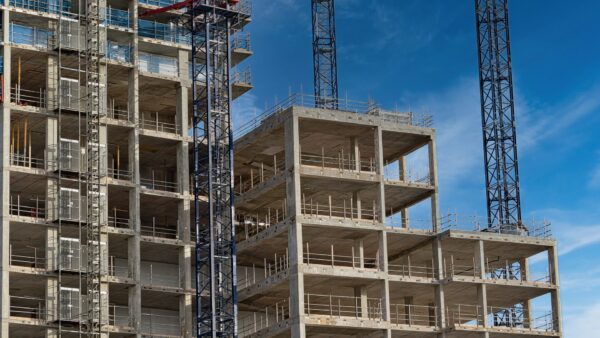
(498, 116)
(324, 54)
(210, 24)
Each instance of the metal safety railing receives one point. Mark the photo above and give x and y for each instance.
(396, 220)
(117, 270)
(156, 124)
(117, 17)
(344, 209)
(241, 41)
(505, 317)
(162, 325)
(155, 275)
(343, 306)
(33, 206)
(27, 161)
(250, 225)
(345, 105)
(252, 323)
(46, 6)
(242, 77)
(28, 307)
(414, 315)
(29, 36)
(464, 268)
(26, 97)
(165, 32)
(118, 316)
(120, 174)
(410, 271)
(120, 52)
(28, 256)
(152, 183)
(259, 173)
(334, 259)
(159, 229)
(158, 64)
(534, 228)
(343, 162)
(392, 174)
(119, 218)
(250, 275)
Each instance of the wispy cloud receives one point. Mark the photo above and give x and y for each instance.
(244, 110)
(595, 175)
(582, 323)
(540, 123)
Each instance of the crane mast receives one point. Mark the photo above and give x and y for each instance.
(210, 25)
(324, 54)
(498, 116)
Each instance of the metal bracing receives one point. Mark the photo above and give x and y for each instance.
(216, 303)
(498, 114)
(324, 54)
(90, 20)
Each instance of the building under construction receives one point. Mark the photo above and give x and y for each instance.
(103, 207)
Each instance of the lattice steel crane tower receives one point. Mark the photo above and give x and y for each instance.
(498, 116)
(324, 54)
(210, 24)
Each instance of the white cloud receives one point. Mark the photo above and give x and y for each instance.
(583, 323)
(244, 109)
(536, 124)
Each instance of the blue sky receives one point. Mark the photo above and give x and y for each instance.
(421, 55)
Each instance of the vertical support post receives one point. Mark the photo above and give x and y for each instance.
(554, 294)
(293, 196)
(435, 215)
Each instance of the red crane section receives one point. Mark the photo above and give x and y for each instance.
(186, 3)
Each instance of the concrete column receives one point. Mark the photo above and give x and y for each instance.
(52, 79)
(357, 204)
(435, 216)
(133, 243)
(359, 253)
(402, 177)
(479, 261)
(479, 254)
(183, 59)
(554, 294)
(293, 195)
(383, 266)
(51, 249)
(438, 267)
(363, 306)
(524, 267)
(5, 183)
(380, 212)
(51, 143)
(52, 298)
(185, 301)
(355, 153)
(183, 179)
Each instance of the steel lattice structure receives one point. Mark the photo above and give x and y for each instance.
(324, 54)
(216, 299)
(498, 114)
(91, 55)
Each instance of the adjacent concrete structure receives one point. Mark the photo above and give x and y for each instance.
(327, 248)
(148, 284)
